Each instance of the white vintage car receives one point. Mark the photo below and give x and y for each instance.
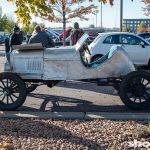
(31, 65)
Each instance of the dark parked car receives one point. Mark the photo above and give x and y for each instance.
(1, 39)
(144, 35)
(3, 36)
(60, 43)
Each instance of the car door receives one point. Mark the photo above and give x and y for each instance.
(108, 42)
(138, 53)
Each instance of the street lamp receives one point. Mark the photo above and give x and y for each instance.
(101, 14)
(96, 11)
(121, 14)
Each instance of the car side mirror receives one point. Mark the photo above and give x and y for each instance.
(142, 44)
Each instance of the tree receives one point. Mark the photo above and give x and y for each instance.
(30, 28)
(65, 10)
(6, 23)
(142, 27)
(92, 26)
(147, 8)
(42, 8)
(10, 24)
(3, 22)
(52, 10)
(126, 29)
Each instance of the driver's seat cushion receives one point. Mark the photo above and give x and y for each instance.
(95, 63)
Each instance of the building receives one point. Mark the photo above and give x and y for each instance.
(133, 24)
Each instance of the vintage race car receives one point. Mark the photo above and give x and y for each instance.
(31, 65)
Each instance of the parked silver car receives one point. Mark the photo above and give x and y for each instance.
(32, 65)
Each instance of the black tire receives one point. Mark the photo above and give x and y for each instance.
(12, 91)
(30, 87)
(95, 57)
(135, 90)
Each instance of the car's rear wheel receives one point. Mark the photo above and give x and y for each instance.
(12, 91)
(135, 90)
(96, 57)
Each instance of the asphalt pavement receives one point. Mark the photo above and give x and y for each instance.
(2, 52)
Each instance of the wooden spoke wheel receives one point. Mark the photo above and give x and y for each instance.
(12, 91)
(135, 90)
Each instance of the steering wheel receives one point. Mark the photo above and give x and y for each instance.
(86, 48)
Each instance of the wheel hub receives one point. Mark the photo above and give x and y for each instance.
(7, 92)
(139, 90)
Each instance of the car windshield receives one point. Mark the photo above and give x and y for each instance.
(52, 34)
(144, 35)
(98, 37)
(81, 41)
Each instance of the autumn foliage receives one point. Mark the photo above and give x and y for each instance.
(45, 9)
(147, 8)
(143, 28)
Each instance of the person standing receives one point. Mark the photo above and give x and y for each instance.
(16, 38)
(68, 33)
(76, 34)
(41, 36)
(28, 36)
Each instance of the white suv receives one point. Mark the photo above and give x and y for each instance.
(137, 48)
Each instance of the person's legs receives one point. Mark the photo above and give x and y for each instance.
(7, 47)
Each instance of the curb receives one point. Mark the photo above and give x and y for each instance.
(77, 115)
(47, 115)
(118, 115)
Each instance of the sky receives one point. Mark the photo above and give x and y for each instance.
(110, 14)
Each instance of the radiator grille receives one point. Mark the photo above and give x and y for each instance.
(34, 64)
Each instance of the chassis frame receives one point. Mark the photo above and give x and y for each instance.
(133, 89)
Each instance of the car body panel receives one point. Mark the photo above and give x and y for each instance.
(64, 63)
(73, 69)
(26, 64)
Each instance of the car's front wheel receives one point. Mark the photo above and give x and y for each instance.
(12, 91)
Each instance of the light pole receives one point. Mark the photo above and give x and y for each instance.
(121, 14)
(93, 21)
(96, 11)
(101, 14)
